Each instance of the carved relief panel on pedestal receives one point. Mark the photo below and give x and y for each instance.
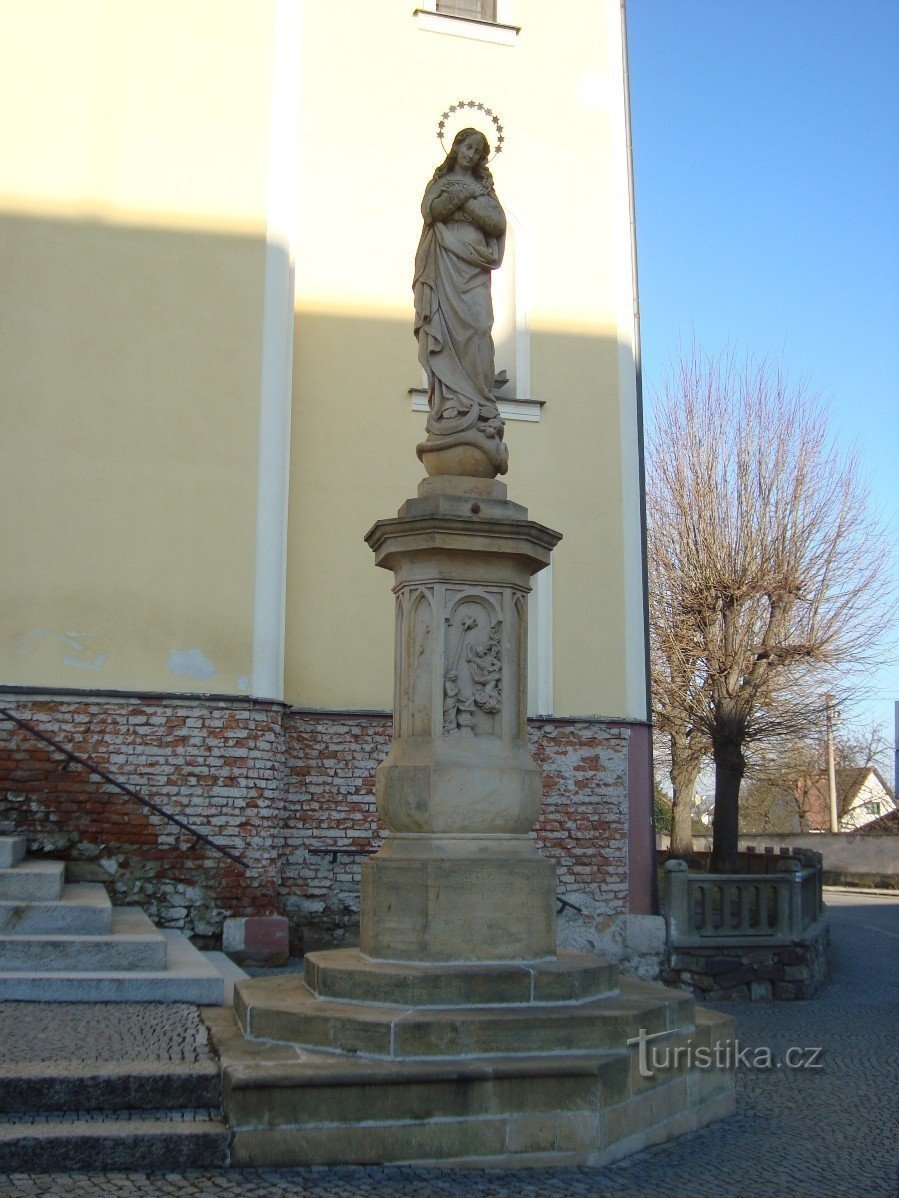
(462, 675)
(473, 663)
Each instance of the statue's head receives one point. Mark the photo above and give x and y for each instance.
(479, 169)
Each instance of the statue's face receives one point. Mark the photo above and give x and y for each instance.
(470, 150)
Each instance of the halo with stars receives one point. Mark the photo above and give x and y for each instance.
(448, 119)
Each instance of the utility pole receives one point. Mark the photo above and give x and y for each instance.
(831, 715)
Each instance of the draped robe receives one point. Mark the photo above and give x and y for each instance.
(454, 313)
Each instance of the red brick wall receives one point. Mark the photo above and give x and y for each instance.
(217, 766)
(331, 761)
(583, 824)
(292, 792)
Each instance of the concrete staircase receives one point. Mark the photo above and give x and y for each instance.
(67, 943)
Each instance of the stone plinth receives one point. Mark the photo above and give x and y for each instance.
(459, 879)
(457, 1032)
(463, 898)
(495, 1085)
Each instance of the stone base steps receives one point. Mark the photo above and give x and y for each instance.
(285, 1009)
(133, 942)
(187, 976)
(131, 1086)
(107, 1140)
(83, 909)
(66, 1086)
(66, 943)
(12, 850)
(289, 1106)
(32, 881)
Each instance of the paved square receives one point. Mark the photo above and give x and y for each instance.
(798, 1133)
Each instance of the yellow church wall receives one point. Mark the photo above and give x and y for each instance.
(132, 239)
(367, 149)
(148, 155)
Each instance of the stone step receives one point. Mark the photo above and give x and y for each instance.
(284, 1009)
(132, 943)
(109, 1140)
(345, 975)
(84, 910)
(32, 880)
(12, 850)
(187, 976)
(108, 1085)
(290, 1107)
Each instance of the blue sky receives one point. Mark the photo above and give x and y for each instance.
(766, 162)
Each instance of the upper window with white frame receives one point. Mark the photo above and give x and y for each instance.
(481, 20)
(476, 10)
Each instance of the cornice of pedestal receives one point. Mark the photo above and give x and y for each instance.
(475, 534)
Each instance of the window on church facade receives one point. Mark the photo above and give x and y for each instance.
(479, 10)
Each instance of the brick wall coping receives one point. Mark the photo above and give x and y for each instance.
(37, 693)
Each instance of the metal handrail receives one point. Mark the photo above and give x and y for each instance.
(92, 768)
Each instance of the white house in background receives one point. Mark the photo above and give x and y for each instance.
(863, 795)
(702, 809)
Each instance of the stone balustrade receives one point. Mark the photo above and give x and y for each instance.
(703, 909)
(750, 936)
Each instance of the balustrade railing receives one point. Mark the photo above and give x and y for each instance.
(705, 909)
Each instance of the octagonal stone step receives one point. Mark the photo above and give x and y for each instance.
(346, 975)
(284, 1009)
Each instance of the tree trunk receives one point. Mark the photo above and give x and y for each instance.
(683, 786)
(730, 766)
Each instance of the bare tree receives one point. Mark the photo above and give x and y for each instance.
(767, 568)
(675, 674)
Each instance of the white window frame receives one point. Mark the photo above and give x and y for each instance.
(500, 32)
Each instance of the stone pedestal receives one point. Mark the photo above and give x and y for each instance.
(457, 1032)
(459, 879)
(458, 899)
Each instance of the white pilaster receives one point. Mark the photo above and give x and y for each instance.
(277, 356)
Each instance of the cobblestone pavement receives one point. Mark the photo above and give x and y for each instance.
(798, 1133)
(83, 1031)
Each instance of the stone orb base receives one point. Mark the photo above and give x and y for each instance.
(468, 460)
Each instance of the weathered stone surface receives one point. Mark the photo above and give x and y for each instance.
(475, 899)
(132, 943)
(459, 760)
(167, 1142)
(12, 850)
(295, 1106)
(187, 976)
(32, 881)
(369, 1142)
(790, 971)
(257, 939)
(81, 910)
(347, 974)
(736, 977)
(105, 1086)
(284, 1009)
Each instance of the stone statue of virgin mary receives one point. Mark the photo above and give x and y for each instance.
(462, 241)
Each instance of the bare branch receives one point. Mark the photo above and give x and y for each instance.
(767, 565)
